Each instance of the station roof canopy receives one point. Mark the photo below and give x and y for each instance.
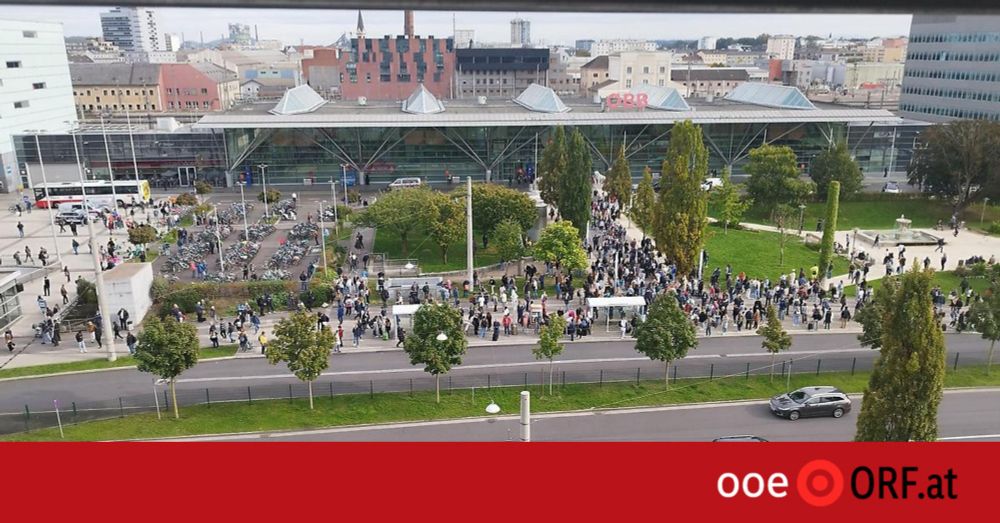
(298, 100)
(769, 95)
(663, 98)
(468, 112)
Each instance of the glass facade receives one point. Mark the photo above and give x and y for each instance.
(311, 156)
(166, 159)
(316, 156)
(10, 307)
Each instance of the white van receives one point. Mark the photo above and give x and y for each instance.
(72, 212)
(402, 183)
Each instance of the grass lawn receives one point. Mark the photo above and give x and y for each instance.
(756, 253)
(865, 214)
(394, 407)
(207, 353)
(423, 249)
(947, 280)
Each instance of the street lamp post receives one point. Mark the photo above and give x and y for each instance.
(343, 167)
(135, 162)
(48, 202)
(802, 210)
(102, 302)
(246, 226)
(218, 237)
(111, 172)
(322, 232)
(333, 193)
(263, 178)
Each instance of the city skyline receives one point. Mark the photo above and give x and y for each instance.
(322, 27)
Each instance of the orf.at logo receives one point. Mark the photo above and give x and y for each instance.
(820, 483)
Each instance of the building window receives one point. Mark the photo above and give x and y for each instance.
(23, 104)
(204, 91)
(98, 98)
(154, 107)
(170, 90)
(38, 85)
(645, 69)
(88, 92)
(368, 77)
(205, 104)
(662, 70)
(171, 105)
(30, 34)
(661, 82)
(628, 70)
(14, 64)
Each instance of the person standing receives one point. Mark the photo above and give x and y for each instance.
(944, 260)
(8, 337)
(66, 273)
(20, 229)
(400, 336)
(46, 286)
(262, 338)
(80, 343)
(76, 246)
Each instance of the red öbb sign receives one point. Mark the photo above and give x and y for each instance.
(627, 100)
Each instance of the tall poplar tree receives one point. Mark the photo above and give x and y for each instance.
(905, 388)
(618, 181)
(681, 214)
(574, 184)
(552, 166)
(644, 205)
(829, 229)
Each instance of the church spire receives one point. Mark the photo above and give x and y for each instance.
(361, 25)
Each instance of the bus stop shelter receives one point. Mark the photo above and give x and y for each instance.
(635, 303)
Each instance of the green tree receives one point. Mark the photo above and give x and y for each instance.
(835, 164)
(142, 234)
(493, 203)
(559, 242)
(667, 334)
(618, 181)
(984, 316)
(202, 187)
(273, 195)
(166, 348)
(727, 199)
(303, 348)
(905, 387)
(774, 177)
(508, 240)
(398, 212)
(186, 198)
(552, 166)
(682, 213)
(782, 215)
(549, 342)
(958, 160)
(829, 229)
(575, 184)
(445, 221)
(871, 313)
(423, 346)
(644, 204)
(775, 338)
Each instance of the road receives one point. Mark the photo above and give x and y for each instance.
(482, 366)
(960, 418)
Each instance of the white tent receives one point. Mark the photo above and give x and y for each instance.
(637, 303)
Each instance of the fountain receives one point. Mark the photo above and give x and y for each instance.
(902, 234)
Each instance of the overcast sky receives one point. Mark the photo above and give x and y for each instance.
(323, 27)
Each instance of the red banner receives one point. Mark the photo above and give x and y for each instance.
(526, 482)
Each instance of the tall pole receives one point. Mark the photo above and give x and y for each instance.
(111, 174)
(333, 193)
(525, 416)
(263, 178)
(322, 231)
(102, 302)
(534, 167)
(343, 166)
(48, 203)
(246, 226)
(468, 228)
(135, 163)
(218, 237)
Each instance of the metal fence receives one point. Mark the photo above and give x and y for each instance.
(731, 368)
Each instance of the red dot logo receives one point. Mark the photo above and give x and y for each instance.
(820, 483)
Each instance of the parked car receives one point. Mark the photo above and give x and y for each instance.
(711, 183)
(891, 188)
(811, 402)
(401, 183)
(740, 439)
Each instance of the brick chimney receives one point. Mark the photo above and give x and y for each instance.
(408, 23)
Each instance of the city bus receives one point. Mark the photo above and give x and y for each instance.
(99, 193)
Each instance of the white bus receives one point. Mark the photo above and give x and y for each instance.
(99, 193)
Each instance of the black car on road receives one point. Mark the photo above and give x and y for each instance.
(811, 402)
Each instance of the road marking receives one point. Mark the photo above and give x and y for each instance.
(978, 436)
(502, 365)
